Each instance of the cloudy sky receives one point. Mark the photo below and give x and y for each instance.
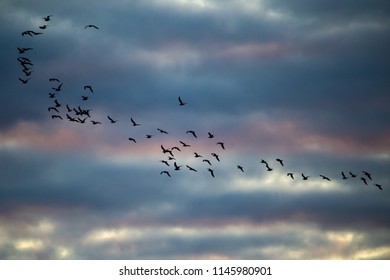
(303, 81)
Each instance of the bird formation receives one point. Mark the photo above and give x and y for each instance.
(174, 158)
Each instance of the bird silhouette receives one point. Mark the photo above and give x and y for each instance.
(165, 162)
(197, 155)
(305, 177)
(367, 174)
(240, 167)
(53, 108)
(344, 177)
(57, 104)
(56, 117)
(166, 150)
(291, 175)
(58, 88)
(222, 145)
(111, 119)
(192, 132)
(378, 186)
(24, 81)
(364, 180)
(210, 135)
(43, 26)
(324, 177)
(211, 171)
(268, 168)
(190, 168)
(207, 161)
(148, 136)
(162, 131)
(184, 144)
(280, 161)
(95, 122)
(134, 123)
(54, 80)
(88, 87)
(132, 139)
(177, 167)
(91, 25)
(181, 103)
(84, 98)
(216, 156)
(165, 172)
(23, 50)
(47, 18)
(352, 175)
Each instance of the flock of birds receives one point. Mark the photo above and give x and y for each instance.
(62, 111)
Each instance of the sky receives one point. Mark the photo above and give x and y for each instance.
(303, 81)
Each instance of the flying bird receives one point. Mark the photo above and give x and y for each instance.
(56, 117)
(344, 177)
(210, 135)
(268, 168)
(215, 155)
(197, 155)
(184, 144)
(211, 171)
(378, 186)
(58, 88)
(132, 139)
(54, 80)
(57, 104)
(148, 136)
(367, 174)
(111, 119)
(162, 131)
(192, 169)
(280, 161)
(24, 81)
(95, 122)
(177, 167)
(364, 180)
(166, 150)
(290, 175)
(165, 172)
(181, 103)
(84, 98)
(305, 177)
(352, 175)
(222, 145)
(324, 177)
(165, 162)
(192, 132)
(134, 123)
(43, 26)
(53, 108)
(88, 87)
(47, 18)
(240, 167)
(23, 50)
(91, 25)
(207, 161)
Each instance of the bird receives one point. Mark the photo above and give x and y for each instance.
(24, 81)
(88, 87)
(54, 80)
(47, 18)
(57, 104)
(52, 95)
(91, 25)
(176, 148)
(364, 180)
(162, 131)
(148, 136)
(352, 175)
(43, 26)
(56, 117)
(305, 177)
(210, 135)
(177, 167)
(378, 186)
(165, 162)
(240, 167)
(67, 107)
(58, 88)
(184, 144)
(263, 161)
(166, 150)
(23, 50)
(165, 172)
(197, 155)
(211, 171)
(95, 122)
(291, 175)
(222, 145)
(84, 98)
(27, 72)
(53, 108)
(31, 33)
(280, 161)
(215, 155)
(192, 169)
(134, 123)
(111, 119)
(207, 161)
(367, 174)
(324, 177)
(81, 120)
(132, 139)
(181, 103)
(268, 168)
(192, 132)
(71, 119)
(344, 177)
